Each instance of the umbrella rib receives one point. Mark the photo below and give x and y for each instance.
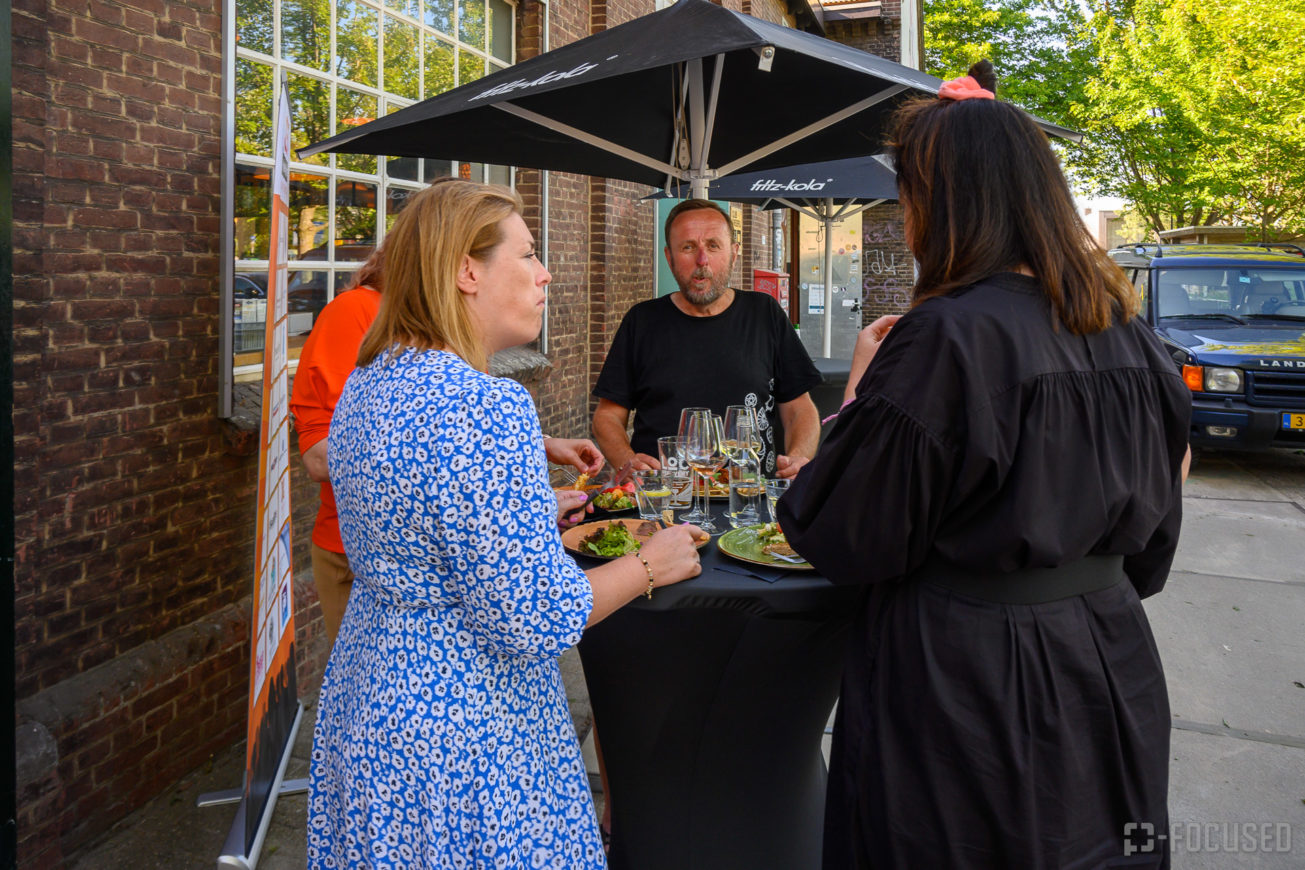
(860, 106)
(803, 209)
(710, 123)
(589, 139)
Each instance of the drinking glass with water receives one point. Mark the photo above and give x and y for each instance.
(652, 493)
(775, 487)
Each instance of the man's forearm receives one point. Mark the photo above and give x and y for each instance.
(801, 427)
(610, 435)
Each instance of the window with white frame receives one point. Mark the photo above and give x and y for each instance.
(344, 63)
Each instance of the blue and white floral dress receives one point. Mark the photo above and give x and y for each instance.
(443, 738)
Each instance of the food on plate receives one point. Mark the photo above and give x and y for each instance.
(773, 541)
(611, 541)
(647, 529)
(616, 498)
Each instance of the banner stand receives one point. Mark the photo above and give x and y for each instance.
(233, 850)
(274, 710)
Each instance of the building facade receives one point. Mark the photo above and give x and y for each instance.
(136, 468)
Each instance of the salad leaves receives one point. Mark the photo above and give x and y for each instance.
(611, 541)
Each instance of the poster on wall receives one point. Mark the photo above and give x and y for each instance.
(273, 696)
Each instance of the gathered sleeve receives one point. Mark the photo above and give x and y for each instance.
(868, 507)
(496, 517)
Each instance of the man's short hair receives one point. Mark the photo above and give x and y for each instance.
(698, 205)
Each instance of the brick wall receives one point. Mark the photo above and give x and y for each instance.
(134, 516)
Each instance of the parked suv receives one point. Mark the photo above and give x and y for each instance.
(1233, 317)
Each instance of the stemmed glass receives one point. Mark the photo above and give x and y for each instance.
(740, 433)
(702, 450)
(742, 444)
(697, 513)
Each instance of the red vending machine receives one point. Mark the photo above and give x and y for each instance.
(772, 283)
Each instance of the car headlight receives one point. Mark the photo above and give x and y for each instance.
(1221, 380)
(1212, 379)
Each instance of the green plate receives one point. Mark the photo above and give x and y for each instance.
(743, 544)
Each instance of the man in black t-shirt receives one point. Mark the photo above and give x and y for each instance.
(706, 345)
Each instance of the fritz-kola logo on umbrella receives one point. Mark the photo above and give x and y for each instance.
(770, 185)
(551, 76)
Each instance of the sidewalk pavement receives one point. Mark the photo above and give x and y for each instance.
(1229, 628)
(172, 833)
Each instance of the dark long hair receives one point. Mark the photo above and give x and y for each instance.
(984, 194)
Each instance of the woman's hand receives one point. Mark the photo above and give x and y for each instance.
(568, 507)
(672, 554)
(867, 345)
(578, 452)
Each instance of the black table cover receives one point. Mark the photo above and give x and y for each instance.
(710, 701)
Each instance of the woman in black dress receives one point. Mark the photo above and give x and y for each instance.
(1006, 484)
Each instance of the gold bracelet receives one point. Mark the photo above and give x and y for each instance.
(648, 568)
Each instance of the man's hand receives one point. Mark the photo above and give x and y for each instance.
(578, 452)
(788, 466)
(644, 462)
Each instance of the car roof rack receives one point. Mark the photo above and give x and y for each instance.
(1286, 246)
(1140, 248)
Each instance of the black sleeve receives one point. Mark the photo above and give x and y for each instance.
(1149, 570)
(616, 380)
(867, 509)
(795, 373)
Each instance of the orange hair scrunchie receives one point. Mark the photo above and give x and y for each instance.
(964, 88)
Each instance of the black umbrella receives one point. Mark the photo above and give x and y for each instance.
(681, 95)
(828, 192)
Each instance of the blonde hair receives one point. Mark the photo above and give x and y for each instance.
(421, 305)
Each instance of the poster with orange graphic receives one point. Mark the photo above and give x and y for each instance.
(273, 696)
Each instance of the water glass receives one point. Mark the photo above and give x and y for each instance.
(775, 487)
(675, 473)
(652, 494)
(745, 498)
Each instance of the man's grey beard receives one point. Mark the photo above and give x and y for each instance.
(708, 296)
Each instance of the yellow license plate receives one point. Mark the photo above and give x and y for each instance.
(1293, 421)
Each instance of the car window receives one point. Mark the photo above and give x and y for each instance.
(1238, 292)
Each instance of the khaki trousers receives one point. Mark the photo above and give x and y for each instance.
(334, 579)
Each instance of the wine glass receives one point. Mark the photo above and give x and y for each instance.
(702, 450)
(742, 444)
(698, 513)
(741, 433)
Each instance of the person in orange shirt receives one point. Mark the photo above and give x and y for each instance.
(327, 359)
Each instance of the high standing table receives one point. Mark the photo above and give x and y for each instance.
(710, 701)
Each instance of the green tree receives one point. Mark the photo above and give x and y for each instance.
(1193, 112)
(1031, 44)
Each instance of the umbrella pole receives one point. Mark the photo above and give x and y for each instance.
(697, 133)
(827, 217)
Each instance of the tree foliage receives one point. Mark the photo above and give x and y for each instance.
(1194, 112)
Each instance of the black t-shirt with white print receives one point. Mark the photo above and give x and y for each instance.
(663, 360)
